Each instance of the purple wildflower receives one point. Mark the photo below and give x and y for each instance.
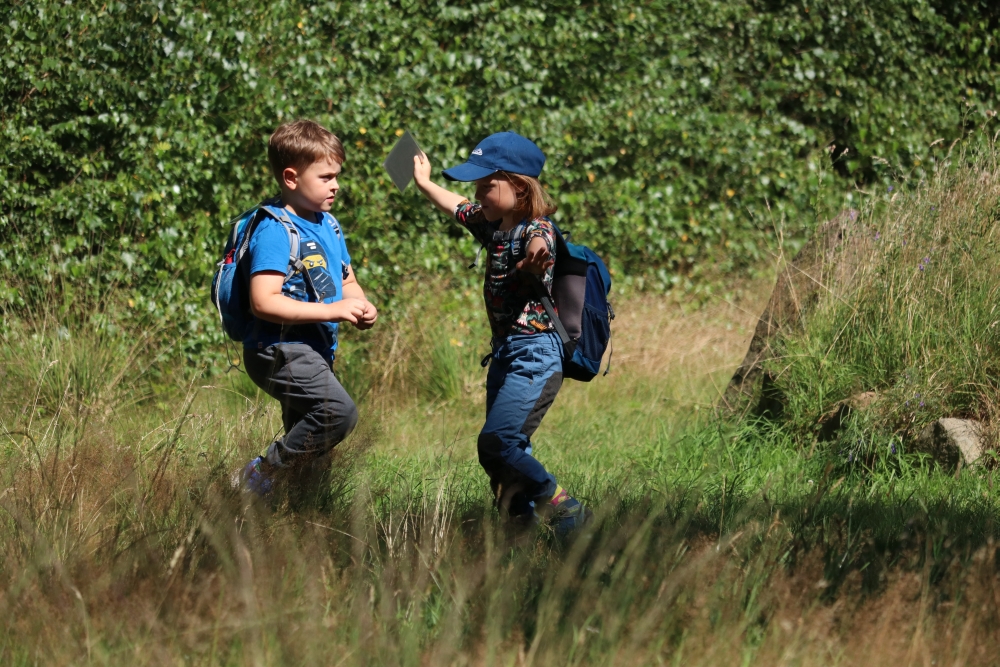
(921, 267)
(890, 188)
(892, 448)
(878, 235)
(921, 404)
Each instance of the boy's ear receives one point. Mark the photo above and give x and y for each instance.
(290, 178)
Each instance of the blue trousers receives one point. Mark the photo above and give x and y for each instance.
(524, 377)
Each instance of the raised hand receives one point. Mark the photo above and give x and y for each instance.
(421, 169)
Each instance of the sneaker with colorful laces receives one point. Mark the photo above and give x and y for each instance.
(564, 513)
(253, 479)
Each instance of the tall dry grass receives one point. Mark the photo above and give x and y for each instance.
(123, 542)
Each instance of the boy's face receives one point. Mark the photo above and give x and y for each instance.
(496, 195)
(315, 187)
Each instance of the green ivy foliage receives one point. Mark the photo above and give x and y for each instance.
(681, 135)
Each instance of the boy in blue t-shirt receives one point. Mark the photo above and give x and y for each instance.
(290, 349)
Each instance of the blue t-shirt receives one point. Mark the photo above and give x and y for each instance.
(324, 253)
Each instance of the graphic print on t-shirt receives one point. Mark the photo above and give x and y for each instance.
(511, 302)
(316, 264)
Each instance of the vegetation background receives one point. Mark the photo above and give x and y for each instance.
(695, 145)
(682, 137)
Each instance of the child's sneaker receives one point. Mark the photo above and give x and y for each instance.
(565, 514)
(253, 479)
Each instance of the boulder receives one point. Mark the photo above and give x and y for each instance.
(827, 264)
(952, 441)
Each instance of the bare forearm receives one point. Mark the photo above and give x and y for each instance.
(269, 303)
(354, 291)
(281, 309)
(446, 200)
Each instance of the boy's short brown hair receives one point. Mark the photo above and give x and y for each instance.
(301, 143)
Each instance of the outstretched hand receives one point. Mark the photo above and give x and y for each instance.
(421, 169)
(445, 200)
(536, 258)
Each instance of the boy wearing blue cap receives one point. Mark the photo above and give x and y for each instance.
(511, 221)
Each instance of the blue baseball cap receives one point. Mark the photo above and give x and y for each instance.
(503, 151)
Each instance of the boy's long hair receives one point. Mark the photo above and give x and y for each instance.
(300, 143)
(531, 200)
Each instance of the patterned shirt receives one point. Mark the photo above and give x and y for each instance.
(511, 299)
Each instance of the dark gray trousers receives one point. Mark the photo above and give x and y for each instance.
(316, 410)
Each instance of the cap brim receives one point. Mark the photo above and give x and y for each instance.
(468, 172)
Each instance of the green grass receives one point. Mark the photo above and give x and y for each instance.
(122, 542)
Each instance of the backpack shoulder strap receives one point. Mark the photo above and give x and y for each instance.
(294, 261)
(518, 246)
(543, 296)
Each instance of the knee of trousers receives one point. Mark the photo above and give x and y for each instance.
(339, 423)
(491, 449)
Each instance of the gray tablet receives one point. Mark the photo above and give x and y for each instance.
(399, 164)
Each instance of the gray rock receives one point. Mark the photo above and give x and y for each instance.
(827, 264)
(951, 441)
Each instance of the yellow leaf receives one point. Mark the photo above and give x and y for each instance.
(399, 133)
(362, 130)
(730, 193)
(591, 176)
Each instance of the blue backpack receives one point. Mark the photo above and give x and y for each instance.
(580, 289)
(230, 286)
